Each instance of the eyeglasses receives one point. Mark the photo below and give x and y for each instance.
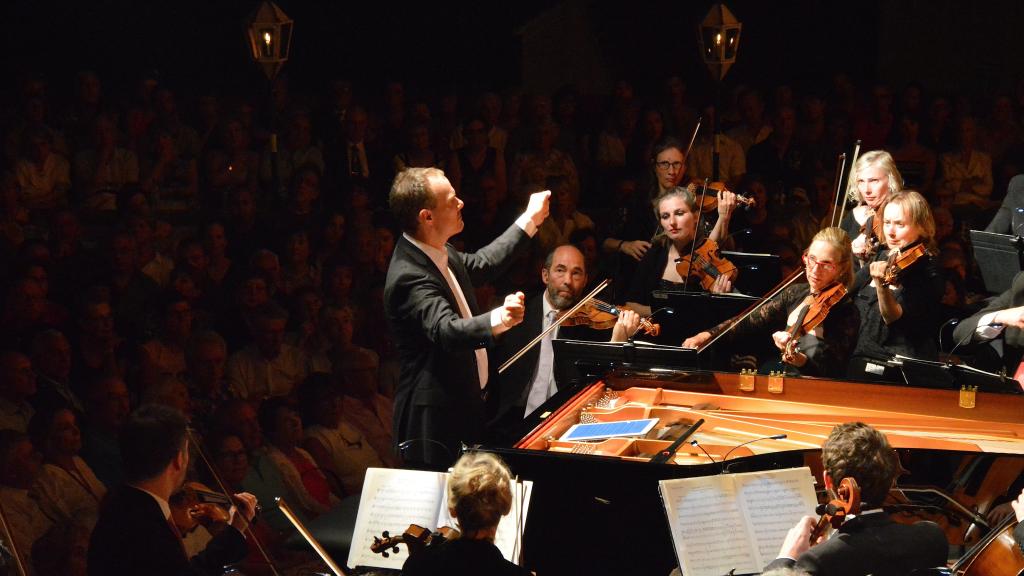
(810, 261)
(665, 165)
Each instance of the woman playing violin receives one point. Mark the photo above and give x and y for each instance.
(895, 308)
(677, 214)
(479, 494)
(873, 179)
(824, 349)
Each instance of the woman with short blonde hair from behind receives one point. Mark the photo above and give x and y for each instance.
(479, 494)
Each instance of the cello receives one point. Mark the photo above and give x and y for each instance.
(998, 554)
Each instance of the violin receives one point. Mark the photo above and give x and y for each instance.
(872, 234)
(416, 538)
(707, 264)
(813, 314)
(834, 513)
(710, 199)
(196, 505)
(601, 315)
(900, 260)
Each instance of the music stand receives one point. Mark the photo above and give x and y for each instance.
(580, 361)
(930, 374)
(758, 273)
(696, 311)
(1000, 257)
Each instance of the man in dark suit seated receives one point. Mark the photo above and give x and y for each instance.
(441, 335)
(870, 542)
(135, 533)
(1003, 222)
(1004, 315)
(529, 381)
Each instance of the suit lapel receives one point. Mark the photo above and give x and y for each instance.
(417, 257)
(462, 277)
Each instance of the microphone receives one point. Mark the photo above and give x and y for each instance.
(731, 450)
(697, 444)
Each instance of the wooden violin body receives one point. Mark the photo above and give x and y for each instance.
(900, 261)
(416, 538)
(709, 200)
(706, 264)
(197, 505)
(814, 314)
(601, 315)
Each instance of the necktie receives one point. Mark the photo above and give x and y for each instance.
(543, 386)
(465, 312)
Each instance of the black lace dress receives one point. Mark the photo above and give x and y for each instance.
(827, 354)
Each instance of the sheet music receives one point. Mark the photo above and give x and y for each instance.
(391, 500)
(735, 521)
(774, 503)
(708, 528)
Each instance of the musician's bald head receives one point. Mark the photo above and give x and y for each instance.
(565, 276)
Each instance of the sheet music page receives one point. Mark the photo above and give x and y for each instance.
(708, 527)
(391, 500)
(508, 526)
(773, 501)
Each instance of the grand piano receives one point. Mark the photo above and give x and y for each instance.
(596, 508)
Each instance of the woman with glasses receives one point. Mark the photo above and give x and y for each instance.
(825, 350)
(898, 318)
(874, 178)
(676, 211)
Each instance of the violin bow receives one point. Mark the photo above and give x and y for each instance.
(308, 536)
(554, 325)
(9, 538)
(853, 166)
(694, 137)
(696, 229)
(224, 490)
(736, 320)
(840, 168)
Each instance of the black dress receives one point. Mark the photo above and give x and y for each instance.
(461, 558)
(918, 293)
(826, 356)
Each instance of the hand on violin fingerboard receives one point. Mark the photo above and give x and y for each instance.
(626, 325)
(244, 510)
(722, 285)
(862, 248)
(726, 203)
(877, 271)
(798, 538)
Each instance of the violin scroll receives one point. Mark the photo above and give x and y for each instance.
(834, 513)
(900, 261)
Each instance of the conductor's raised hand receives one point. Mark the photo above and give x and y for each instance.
(513, 310)
(539, 206)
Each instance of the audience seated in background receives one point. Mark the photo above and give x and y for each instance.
(268, 366)
(17, 385)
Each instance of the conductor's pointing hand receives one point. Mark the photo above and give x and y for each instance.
(513, 310)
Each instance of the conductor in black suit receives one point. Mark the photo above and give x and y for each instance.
(441, 335)
(529, 381)
(871, 542)
(1002, 316)
(135, 533)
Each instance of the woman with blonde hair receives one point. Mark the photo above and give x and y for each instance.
(897, 318)
(479, 494)
(824, 350)
(873, 179)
